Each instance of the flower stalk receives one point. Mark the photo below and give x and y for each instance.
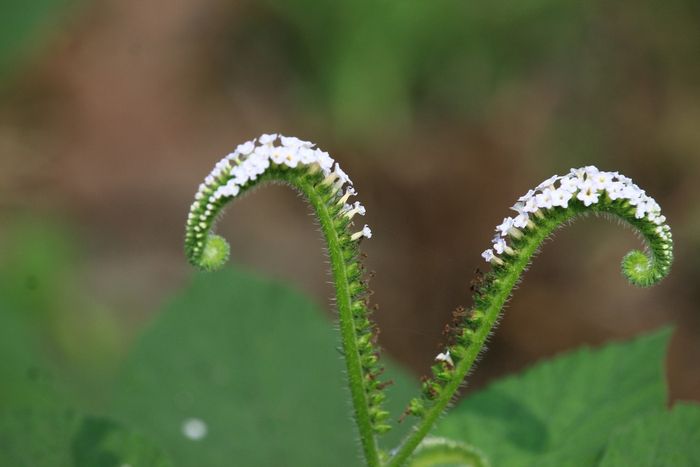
(314, 174)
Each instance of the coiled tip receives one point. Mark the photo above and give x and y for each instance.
(641, 270)
(215, 253)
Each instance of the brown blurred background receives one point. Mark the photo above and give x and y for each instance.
(112, 112)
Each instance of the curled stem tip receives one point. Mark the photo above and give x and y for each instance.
(215, 253)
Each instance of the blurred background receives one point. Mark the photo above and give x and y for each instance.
(443, 113)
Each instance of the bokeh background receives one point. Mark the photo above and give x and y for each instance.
(443, 113)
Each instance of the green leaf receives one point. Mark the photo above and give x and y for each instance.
(36, 434)
(658, 439)
(561, 412)
(259, 365)
(39, 429)
(100, 442)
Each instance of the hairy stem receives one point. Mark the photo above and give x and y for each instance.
(348, 332)
(209, 251)
(492, 297)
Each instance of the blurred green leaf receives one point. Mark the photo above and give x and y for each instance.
(561, 412)
(100, 442)
(39, 428)
(371, 64)
(55, 320)
(665, 438)
(254, 361)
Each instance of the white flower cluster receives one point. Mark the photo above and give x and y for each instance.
(251, 159)
(587, 185)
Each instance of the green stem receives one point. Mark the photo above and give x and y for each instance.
(501, 283)
(347, 326)
(505, 286)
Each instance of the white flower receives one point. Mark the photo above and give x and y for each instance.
(634, 194)
(518, 207)
(505, 226)
(527, 196)
(624, 179)
(591, 170)
(530, 205)
(653, 206)
(349, 191)
(521, 220)
(251, 169)
(260, 162)
(569, 184)
(307, 156)
(578, 173)
(290, 141)
(616, 190)
(561, 197)
(365, 232)
(291, 158)
(357, 208)
(659, 220)
(601, 179)
(220, 167)
(239, 175)
(499, 245)
(587, 193)
(230, 189)
(267, 138)
(342, 176)
(544, 199)
(445, 357)
(548, 183)
(233, 157)
(263, 151)
(278, 154)
(488, 255)
(641, 210)
(294, 143)
(324, 161)
(245, 148)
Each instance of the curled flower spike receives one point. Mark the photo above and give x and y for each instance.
(593, 190)
(328, 189)
(540, 211)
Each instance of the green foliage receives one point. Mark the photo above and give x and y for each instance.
(257, 363)
(100, 442)
(42, 295)
(561, 412)
(670, 438)
(39, 427)
(368, 64)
